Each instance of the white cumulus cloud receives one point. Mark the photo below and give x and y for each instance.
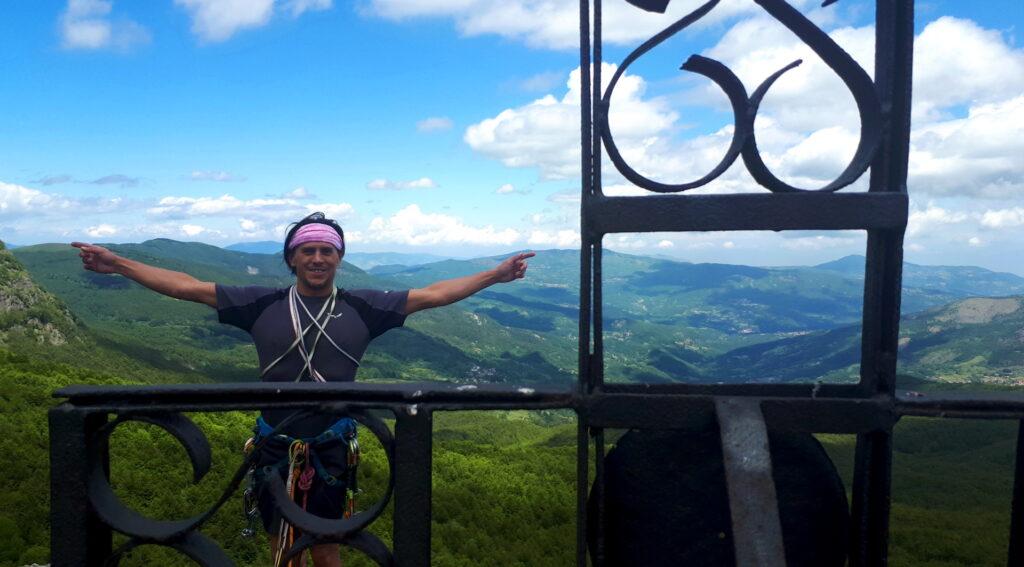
(192, 229)
(101, 230)
(931, 217)
(559, 238)
(1003, 218)
(545, 133)
(218, 20)
(17, 201)
(87, 24)
(412, 226)
(389, 185)
(297, 7)
(221, 176)
(434, 124)
(552, 24)
(335, 211)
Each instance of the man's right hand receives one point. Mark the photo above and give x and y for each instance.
(97, 258)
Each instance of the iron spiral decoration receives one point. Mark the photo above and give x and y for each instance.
(744, 107)
(184, 536)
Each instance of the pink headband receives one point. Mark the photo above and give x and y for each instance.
(316, 232)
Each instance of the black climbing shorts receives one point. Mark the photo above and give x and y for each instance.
(323, 499)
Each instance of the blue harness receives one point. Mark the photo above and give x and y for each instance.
(344, 429)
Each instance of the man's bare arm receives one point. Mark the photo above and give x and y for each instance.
(449, 291)
(178, 285)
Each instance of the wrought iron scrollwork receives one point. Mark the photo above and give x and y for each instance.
(744, 140)
(183, 535)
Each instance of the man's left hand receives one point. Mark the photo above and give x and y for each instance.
(513, 268)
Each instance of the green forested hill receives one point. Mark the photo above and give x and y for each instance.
(664, 320)
(504, 482)
(977, 340)
(438, 345)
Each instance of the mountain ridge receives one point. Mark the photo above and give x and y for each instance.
(664, 320)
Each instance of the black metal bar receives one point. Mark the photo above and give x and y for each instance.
(894, 55)
(894, 37)
(597, 368)
(756, 528)
(582, 485)
(77, 537)
(596, 107)
(967, 405)
(775, 390)
(413, 457)
(881, 326)
(662, 411)
(1015, 556)
(749, 211)
(599, 535)
(256, 394)
(872, 481)
(585, 359)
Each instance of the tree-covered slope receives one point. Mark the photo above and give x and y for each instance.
(443, 344)
(977, 340)
(664, 321)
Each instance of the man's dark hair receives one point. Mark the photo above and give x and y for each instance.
(318, 218)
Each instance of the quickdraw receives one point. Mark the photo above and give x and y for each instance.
(297, 459)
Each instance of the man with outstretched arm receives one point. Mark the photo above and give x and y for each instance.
(310, 331)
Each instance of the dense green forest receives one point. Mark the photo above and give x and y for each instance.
(504, 482)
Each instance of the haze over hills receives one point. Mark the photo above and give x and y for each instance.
(664, 320)
(364, 260)
(965, 280)
(979, 340)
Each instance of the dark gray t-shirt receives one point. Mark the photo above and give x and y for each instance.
(359, 316)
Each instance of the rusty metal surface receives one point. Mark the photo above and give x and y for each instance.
(757, 531)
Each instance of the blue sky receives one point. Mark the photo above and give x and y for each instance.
(449, 126)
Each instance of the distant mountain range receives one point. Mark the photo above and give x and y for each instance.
(364, 260)
(960, 280)
(664, 320)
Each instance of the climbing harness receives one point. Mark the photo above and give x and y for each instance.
(303, 467)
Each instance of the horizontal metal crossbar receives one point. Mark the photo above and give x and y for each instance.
(661, 411)
(747, 211)
(967, 405)
(256, 395)
(796, 407)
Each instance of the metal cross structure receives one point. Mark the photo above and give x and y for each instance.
(85, 509)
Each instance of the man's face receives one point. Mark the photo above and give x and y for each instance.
(315, 264)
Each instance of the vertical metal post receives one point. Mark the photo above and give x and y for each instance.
(872, 479)
(1016, 554)
(583, 347)
(77, 536)
(582, 484)
(599, 536)
(894, 42)
(413, 458)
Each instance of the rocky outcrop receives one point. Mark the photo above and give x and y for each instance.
(28, 310)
